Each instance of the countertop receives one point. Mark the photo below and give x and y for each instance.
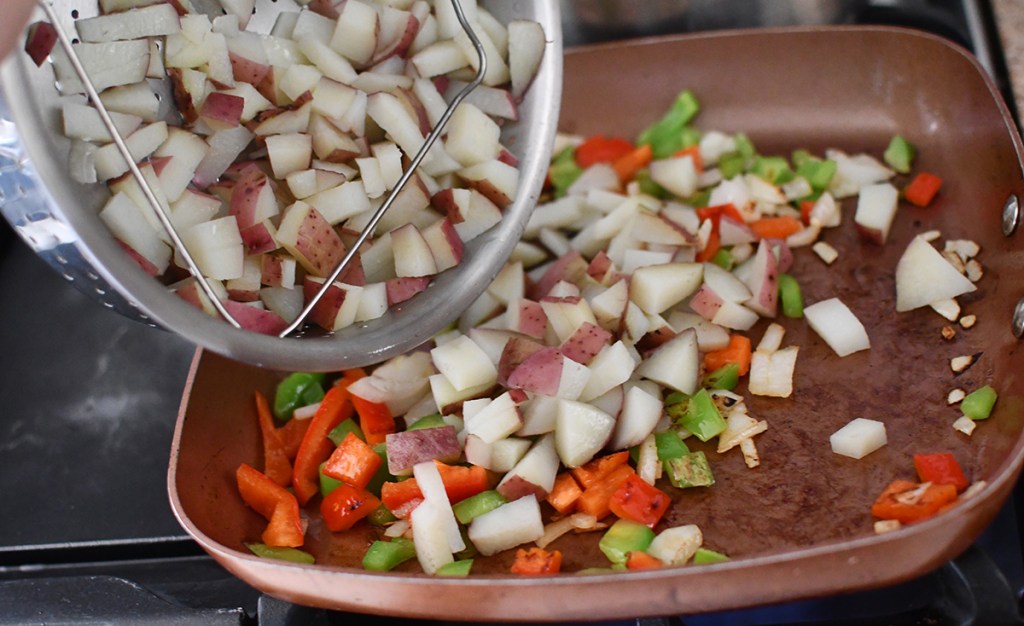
(1010, 23)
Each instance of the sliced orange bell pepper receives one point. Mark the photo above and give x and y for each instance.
(738, 352)
(353, 462)
(375, 419)
(638, 560)
(537, 562)
(941, 469)
(276, 464)
(565, 493)
(594, 471)
(712, 248)
(627, 165)
(397, 495)
(336, 407)
(596, 499)
(275, 503)
(922, 190)
(694, 153)
(778, 227)
(462, 481)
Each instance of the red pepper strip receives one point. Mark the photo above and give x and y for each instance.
(375, 419)
(710, 250)
(537, 562)
(932, 499)
(276, 465)
(461, 482)
(921, 191)
(564, 494)
(694, 153)
(806, 206)
(601, 149)
(628, 165)
(273, 502)
(353, 462)
(715, 213)
(596, 499)
(346, 505)
(593, 472)
(335, 408)
(637, 560)
(941, 469)
(776, 227)
(397, 494)
(738, 352)
(636, 500)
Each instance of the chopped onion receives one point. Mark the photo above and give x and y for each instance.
(305, 412)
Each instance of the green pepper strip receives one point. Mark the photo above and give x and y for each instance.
(702, 417)
(298, 389)
(564, 171)
(723, 259)
(899, 155)
(475, 506)
(384, 556)
(978, 404)
(623, 537)
(704, 556)
(818, 172)
(725, 377)
(456, 568)
(690, 470)
(338, 434)
(670, 446)
(666, 135)
(281, 554)
(429, 421)
(790, 296)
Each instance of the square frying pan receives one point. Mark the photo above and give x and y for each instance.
(799, 525)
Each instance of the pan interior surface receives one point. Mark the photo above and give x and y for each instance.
(799, 525)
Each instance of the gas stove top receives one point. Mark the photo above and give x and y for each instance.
(88, 403)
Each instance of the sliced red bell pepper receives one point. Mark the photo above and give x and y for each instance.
(909, 502)
(276, 464)
(375, 419)
(941, 469)
(601, 149)
(806, 206)
(537, 562)
(921, 191)
(292, 434)
(715, 213)
(353, 462)
(636, 500)
(396, 495)
(711, 249)
(346, 505)
(335, 408)
(275, 503)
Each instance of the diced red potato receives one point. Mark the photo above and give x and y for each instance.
(39, 41)
(584, 344)
(336, 308)
(255, 318)
(307, 236)
(407, 448)
(222, 110)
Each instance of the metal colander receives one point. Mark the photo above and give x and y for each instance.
(57, 217)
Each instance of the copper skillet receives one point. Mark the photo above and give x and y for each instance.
(799, 525)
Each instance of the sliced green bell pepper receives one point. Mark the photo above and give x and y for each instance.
(899, 155)
(690, 470)
(475, 506)
(384, 556)
(623, 537)
(704, 556)
(297, 389)
(291, 555)
(564, 171)
(978, 404)
(666, 135)
(456, 568)
(339, 432)
(774, 169)
(790, 297)
(723, 259)
(818, 172)
(669, 446)
(702, 417)
(725, 377)
(429, 421)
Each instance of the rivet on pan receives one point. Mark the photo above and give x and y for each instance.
(1018, 319)
(1011, 215)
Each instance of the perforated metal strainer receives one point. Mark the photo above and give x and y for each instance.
(57, 217)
